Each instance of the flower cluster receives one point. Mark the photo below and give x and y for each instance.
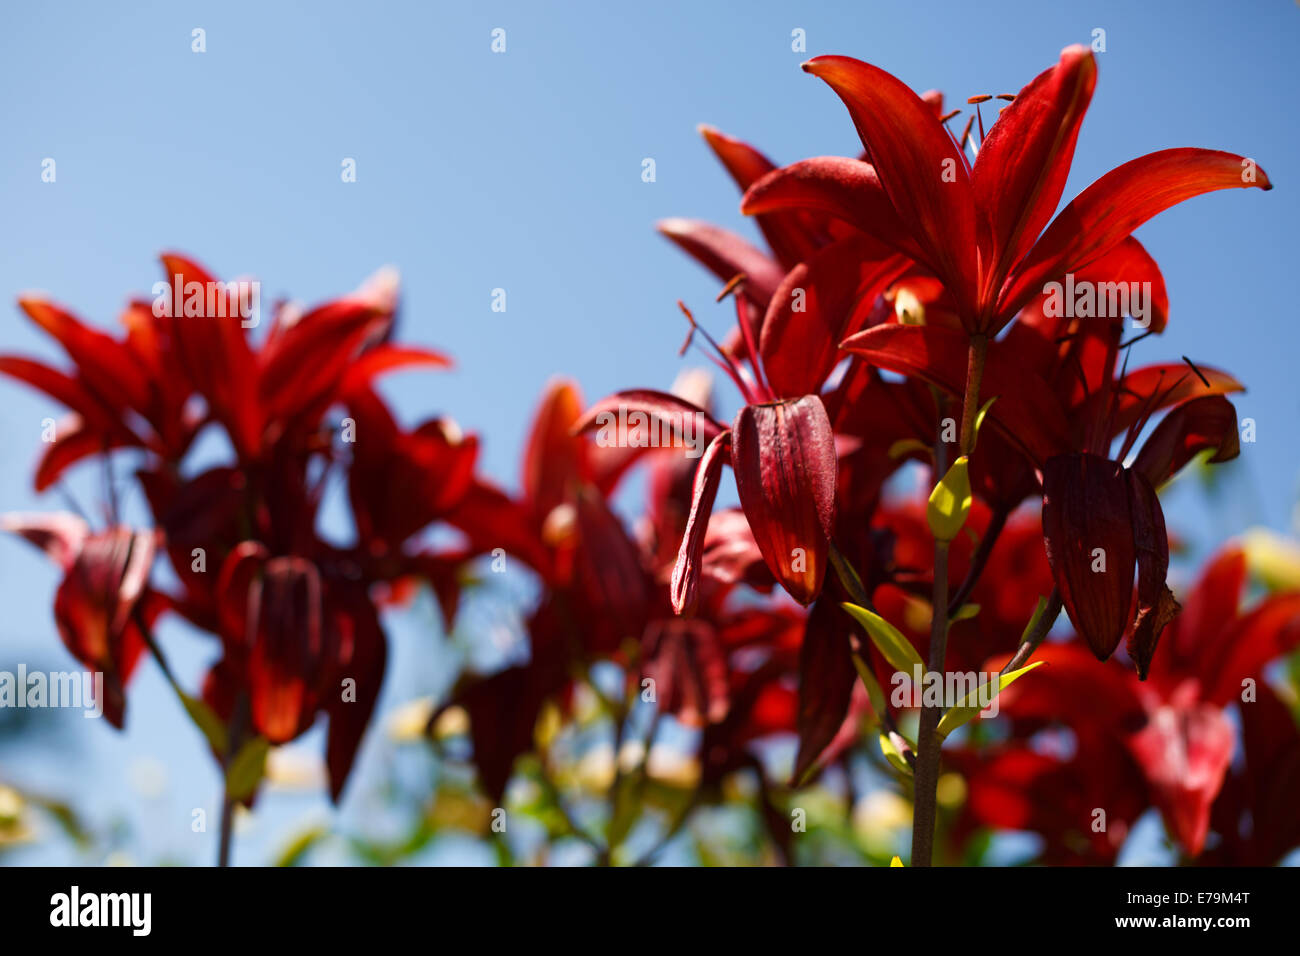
(922, 308)
(295, 613)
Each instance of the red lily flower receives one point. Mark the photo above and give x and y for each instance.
(1174, 725)
(1254, 818)
(977, 228)
(104, 594)
(296, 614)
(781, 445)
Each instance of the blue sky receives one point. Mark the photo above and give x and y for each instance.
(522, 171)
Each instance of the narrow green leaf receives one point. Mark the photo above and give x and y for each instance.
(963, 712)
(984, 410)
(246, 770)
(206, 719)
(905, 446)
(298, 848)
(894, 756)
(964, 613)
(896, 649)
(1039, 611)
(874, 693)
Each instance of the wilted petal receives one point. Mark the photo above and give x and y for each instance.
(686, 572)
(1156, 606)
(784, 458)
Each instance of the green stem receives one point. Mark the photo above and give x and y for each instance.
(928, 743)
(927, 738)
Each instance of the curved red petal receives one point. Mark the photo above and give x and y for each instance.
(1116, 204)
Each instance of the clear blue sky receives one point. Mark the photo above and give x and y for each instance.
(522, 170)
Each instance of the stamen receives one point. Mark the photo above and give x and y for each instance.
(733, 288)
(1009, 97)
(982, 98)
(965, 133)
(1135, 341)
(947, 116)
(1197, 371)
(723, 361)
(733, 284)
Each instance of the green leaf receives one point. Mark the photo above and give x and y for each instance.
(964, 613)
(874, 693)
(896, 649)
(1039, 611)
(950, 502)
(298, 848)
(963, 712)
(979, 416)
(246, 770)
(894, 756)
(905, 446)
(206, 719)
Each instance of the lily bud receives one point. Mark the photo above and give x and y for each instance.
(783, 454)
(1101, 523)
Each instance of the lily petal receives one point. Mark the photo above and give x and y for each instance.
(1208, 422)
(1027, 411)
(1023, 162)
(686, 572)
(1115, 205)
(817, 305)
(826, 680)
(792, 236)
(1156, 606)
(919, 165)
(847, 189)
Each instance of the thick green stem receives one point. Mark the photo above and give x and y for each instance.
(928, 742)
(235, 731)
